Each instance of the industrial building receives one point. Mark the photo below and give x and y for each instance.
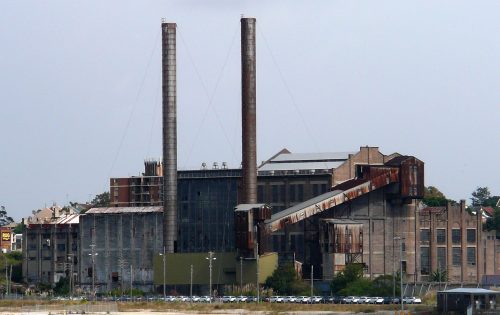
(117, 247)
(51, 246)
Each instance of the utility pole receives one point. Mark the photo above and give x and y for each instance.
(257, 269)
(164, 257)
(401, 262)
(241, 275)
(131, 281)
(210, 258)
(191, 284)
(93, 254)
(6, 274)
(312, 283)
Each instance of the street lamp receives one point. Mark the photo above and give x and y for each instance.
(241, 275)
(210, 259)
(164, 284)
(93, 254)
(396, 238)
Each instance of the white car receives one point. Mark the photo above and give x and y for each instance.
(290, 299)
(316, 299)
(379, 300)
(304, 299)
(241, 299)
(228, 299)
(349, 299)
(417, 300)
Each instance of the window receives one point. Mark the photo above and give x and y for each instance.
(403, 263)
(425, 235)
(292, 192)
(424, 260)
(61, 247)
(471, 235)
(441, 258)
(441, 236)
(471, 255)
(403, 246)
(275, 194)
(457, 256)
(300, 192)
(455, 236)
(89, 272)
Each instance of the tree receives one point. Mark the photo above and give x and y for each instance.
(4, 218)
(433, 197)
(62, 286)
(480, 196)
(358, 287)
(101, 200)
(286, 281)
(440, 275)
(383, 285)
(351, 273)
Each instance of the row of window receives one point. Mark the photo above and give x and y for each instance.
(456, 236)
(456, 254)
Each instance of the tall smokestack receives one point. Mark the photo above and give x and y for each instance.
(169, 91)
(248, 110)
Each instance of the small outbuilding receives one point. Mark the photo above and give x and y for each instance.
(459, 300)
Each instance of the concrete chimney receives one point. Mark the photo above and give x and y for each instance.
(169, 91)
(248, 111)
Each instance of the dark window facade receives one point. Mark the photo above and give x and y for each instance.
(471, 235)
(456, 236)
(457, 256)
(425, 263)
(441, 258)
(471, 255)
(425, 235)
(441, 236)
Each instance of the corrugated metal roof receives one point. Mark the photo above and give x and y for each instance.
(113, 210)
(312, 156)
(69, 219)
(341, 221)
(292, 166)
(302, 205)
(248, 206)
(471, 291)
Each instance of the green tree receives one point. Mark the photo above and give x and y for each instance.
(4, 218)
(358, 287)
(384, 285)
(433, 197)
(480, 196)
(285, 281)
(351, 273)
(101, 200)
(19, 228)
(440, 275)
(62, 286)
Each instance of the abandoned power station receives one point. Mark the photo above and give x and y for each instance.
(319, 211)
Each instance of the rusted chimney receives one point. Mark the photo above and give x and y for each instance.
(169, 91)
(248, 111)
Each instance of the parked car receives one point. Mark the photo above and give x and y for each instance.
(417, 300)
(304, 299)
(395, 300)
(206, 299)
(228, 299)
(355, 299)
(289, 299)
(241, 299)
(371, 300)
(333, 300)
(348, 299)
(275, 299)
(408, 299)
(317, 299)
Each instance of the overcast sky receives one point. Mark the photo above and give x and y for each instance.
(80, 88)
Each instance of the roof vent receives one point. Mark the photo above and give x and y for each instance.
(215, 166)
(203, 166)
(224, 165)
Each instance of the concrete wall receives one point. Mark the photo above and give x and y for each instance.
(121, 241)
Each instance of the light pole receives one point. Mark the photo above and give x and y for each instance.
(93, 254)
(257, 269)
(71, 284)
(210, 259)
(401, 239)
(191, 284)
(241, 275)
(312, 283)
(6, 275)
(164, 271)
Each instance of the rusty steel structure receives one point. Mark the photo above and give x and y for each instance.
(248, 111)
(169, 91)
(378, 177)
(341, 243)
